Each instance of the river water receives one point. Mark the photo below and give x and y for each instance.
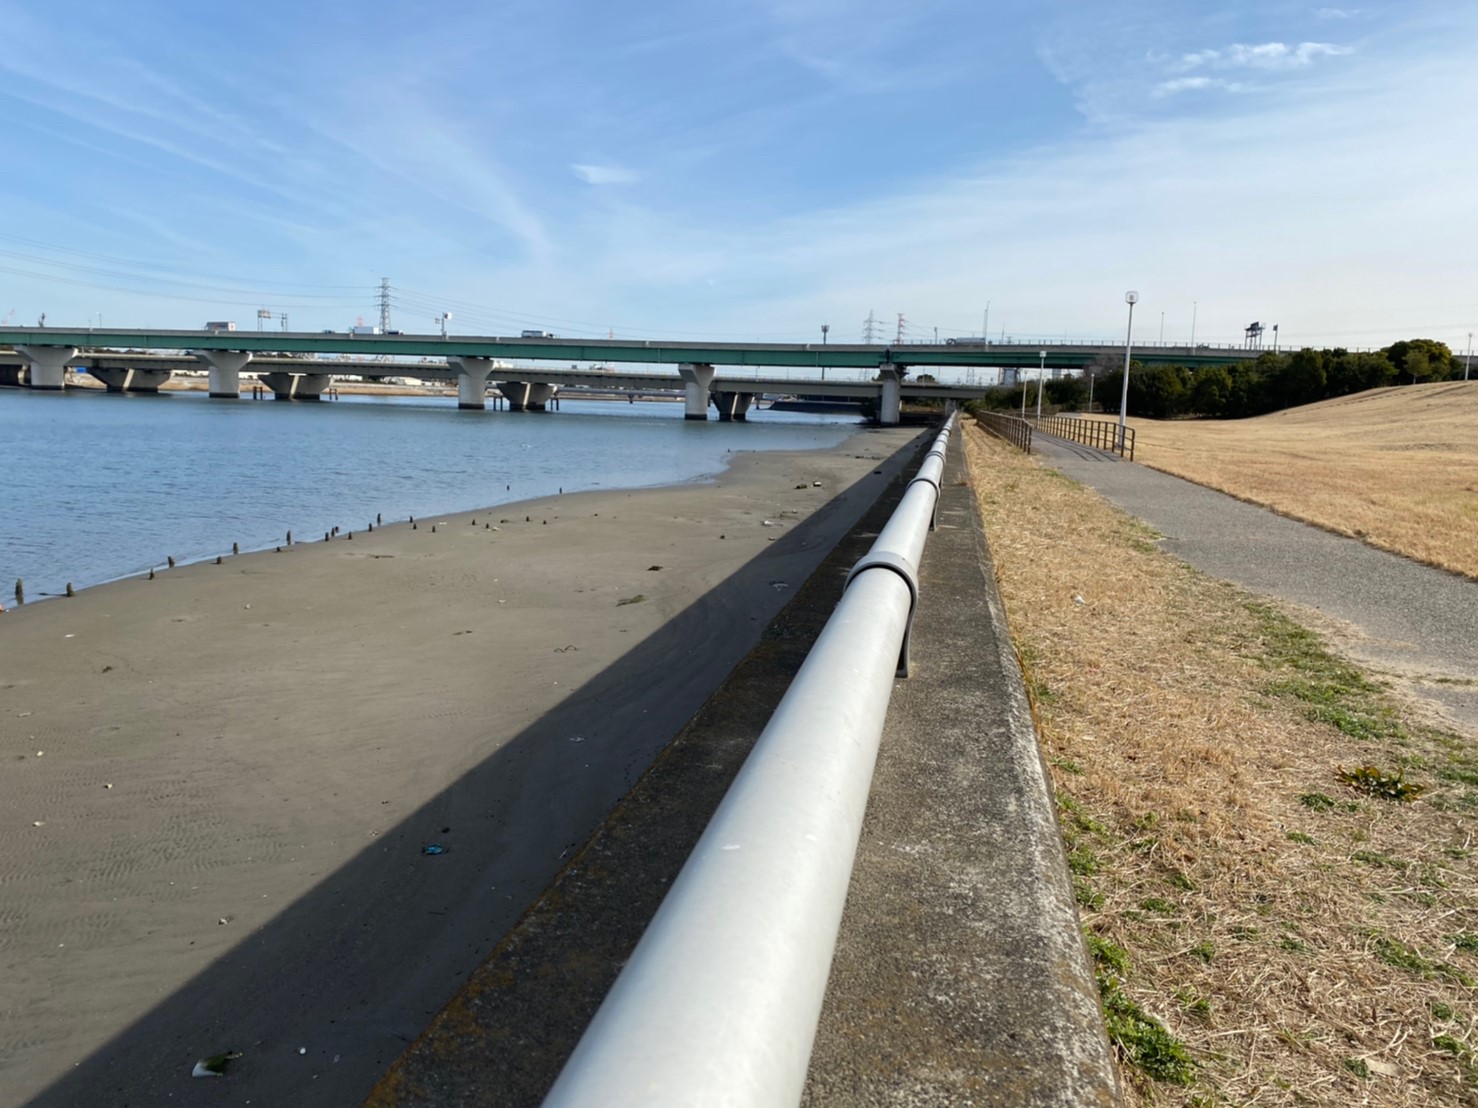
(101, 486)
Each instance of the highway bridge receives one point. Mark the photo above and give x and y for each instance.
(300, 366)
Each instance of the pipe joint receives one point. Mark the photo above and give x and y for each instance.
(895, 563)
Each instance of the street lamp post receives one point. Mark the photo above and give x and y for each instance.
(1041, 372)
(1131, 298)
(825, 328)
(1468, 361)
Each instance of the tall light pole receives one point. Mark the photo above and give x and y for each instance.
(1468, 361)
(1041, 372)
(825, 329)
(1131, 298)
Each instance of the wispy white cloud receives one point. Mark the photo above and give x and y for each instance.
(1337, 13)
(1267, 55)
(605, 174)
(1196, 84)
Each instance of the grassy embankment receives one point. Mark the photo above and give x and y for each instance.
(1269, 923)
(1351, 465)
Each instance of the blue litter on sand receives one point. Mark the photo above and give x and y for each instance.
(433, 848)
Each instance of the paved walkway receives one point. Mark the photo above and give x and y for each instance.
(1405, 618)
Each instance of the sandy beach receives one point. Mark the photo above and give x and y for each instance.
(219, 784)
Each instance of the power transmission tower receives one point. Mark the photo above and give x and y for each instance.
(902, 326)
(384, 305)
(870, 328)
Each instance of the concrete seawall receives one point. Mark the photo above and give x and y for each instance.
(960, 974)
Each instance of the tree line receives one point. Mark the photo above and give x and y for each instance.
(1272, 382)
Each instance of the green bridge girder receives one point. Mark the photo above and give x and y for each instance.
(791, 355)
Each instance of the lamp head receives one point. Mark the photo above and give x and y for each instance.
(1131, 298)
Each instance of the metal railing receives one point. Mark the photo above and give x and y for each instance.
(1016, 431)
(1100, 433)
(719, 1002)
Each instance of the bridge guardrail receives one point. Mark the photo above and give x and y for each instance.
(1100, 433)
(1014, 429)
(720, 1000)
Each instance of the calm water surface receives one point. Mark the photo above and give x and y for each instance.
(101, 486)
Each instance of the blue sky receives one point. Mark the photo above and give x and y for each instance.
(747, 169)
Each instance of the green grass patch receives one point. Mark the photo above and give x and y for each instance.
(1380, 861)
(1082, 862)
(1393, 952)
(1301, 838)
(1106, 954)
(1143, 1041)
(1205, 950)
(1466, 940)
(1086, 895)
(1316, 802)
(1193, 1002)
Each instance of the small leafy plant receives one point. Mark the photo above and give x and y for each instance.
(1375, 782)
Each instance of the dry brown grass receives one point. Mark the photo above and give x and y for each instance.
(1304, 955)
(1396, 467)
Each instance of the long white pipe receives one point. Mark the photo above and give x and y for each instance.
(718, 1004)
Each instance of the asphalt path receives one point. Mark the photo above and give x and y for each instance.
(1400, 616)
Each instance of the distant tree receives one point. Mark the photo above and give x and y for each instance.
(1211, 389)
(1068, 394)
(1420, 360)
(1345, 372)
(1158, 392)
(1300, 379)
(1246, 397)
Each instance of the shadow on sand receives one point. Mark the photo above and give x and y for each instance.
(323, 998)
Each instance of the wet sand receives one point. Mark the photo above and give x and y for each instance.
(235, 768)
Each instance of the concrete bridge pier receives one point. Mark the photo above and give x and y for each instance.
(12, 375)
(225, 371)
(296, 386)
(48, 365)
(130, 380)
(527, 396)
(890, 402)
(696, 381)
(733, 406)
(472, 382)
